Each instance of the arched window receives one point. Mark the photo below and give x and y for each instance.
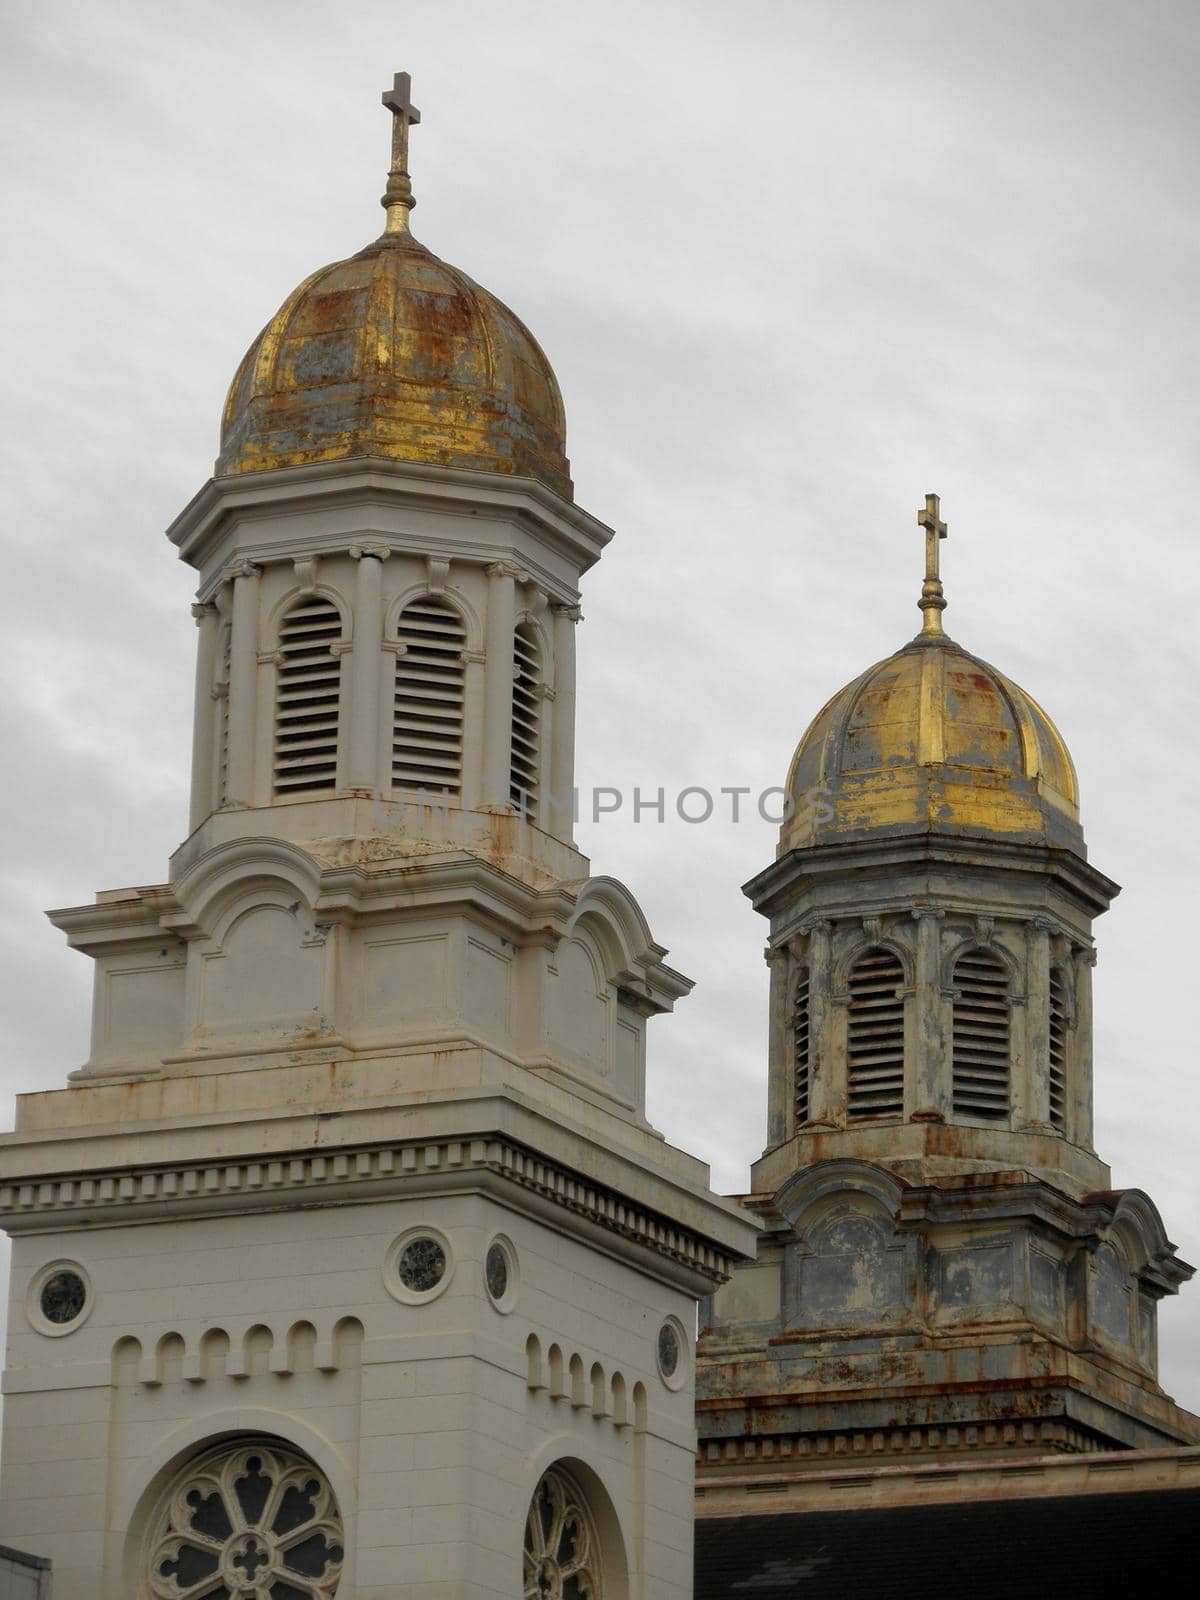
(427, 720)
(308, 699)
(246, 1518)
(562, 1549)
(875, 1036)
(981, 1036)
(1058, 1048)
(525, 767)
(801, 1048)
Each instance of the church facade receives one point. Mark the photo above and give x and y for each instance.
(348, 1263)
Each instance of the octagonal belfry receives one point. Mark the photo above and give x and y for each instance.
(945, 1266)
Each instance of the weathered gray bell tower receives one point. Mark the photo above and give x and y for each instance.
(945, 1267)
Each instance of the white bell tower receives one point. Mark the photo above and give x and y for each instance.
(348, 1264)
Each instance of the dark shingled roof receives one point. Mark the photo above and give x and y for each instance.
(1093, 1546)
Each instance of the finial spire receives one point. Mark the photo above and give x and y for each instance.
(932, 601)
(398, 196)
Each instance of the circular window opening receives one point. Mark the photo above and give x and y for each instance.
(60, 1298)
(422, 1265)
(245, 1521)
(500, 1274)
(419, 1266)
(562, 1552)
(672, 1353)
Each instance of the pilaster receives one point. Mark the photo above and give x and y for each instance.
(560, 810)
(365, 744)
(204, 717)
(931, 1078)
(243, 674)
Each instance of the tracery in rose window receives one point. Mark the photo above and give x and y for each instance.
(247, 1522)
(562, 1553)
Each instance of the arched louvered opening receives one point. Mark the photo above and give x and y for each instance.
(430, 692)
(222, 688)
(524, 769)
(308, 699)
(801, 1048)
(875, 1036)
(981, 1036)
(1058, 1048)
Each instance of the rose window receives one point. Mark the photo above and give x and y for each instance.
(253, 1522)
(562, 1553)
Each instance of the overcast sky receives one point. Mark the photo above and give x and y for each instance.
(795, 265)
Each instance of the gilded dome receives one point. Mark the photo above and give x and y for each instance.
(395, 353)
(933, 740)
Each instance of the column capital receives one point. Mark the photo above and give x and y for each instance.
(504, 569)
(568, 610)
(1086, 955)
(933, 913)
(241, 569)
(377, 552)
(202, 611)
(775, 955)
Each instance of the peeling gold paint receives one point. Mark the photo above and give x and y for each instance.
(395, 353)
(933, 739)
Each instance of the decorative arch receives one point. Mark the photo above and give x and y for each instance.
(578, 1481)
(454, 598)
(847, 960)
(220, 878)
(190, 1444)
(295, 595)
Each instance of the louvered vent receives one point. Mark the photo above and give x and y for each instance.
(1058, 1049)
(875, 1037)
(307, 699)
(526, 715)
(223, 716)
(981, 1036)
(427, 726)
(801, 1047)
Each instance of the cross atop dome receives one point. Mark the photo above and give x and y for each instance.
(932, 602)
(398, 196)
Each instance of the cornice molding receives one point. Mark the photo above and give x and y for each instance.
(356, 1173)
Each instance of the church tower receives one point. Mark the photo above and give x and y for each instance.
(945, 1271)
(348, 1264)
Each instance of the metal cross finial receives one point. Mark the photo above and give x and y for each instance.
(398, 197)
(932, 601)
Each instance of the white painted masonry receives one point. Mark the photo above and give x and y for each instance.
(347, 1020)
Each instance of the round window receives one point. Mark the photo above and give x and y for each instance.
(59, 1298)
(500, 1274)
(562, 1552)
(671, 1351)
(243, 1521)
(419, 1266)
